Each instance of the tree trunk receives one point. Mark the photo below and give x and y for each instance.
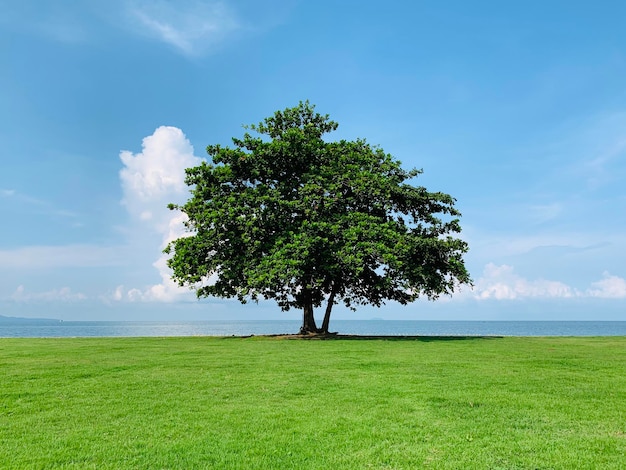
(329, 307)
(308, 319)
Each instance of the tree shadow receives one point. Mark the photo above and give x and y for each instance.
(339, 337)
(424, 338)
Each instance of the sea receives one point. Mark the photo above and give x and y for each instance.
(64, 329)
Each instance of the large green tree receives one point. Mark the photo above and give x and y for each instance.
(287, 215)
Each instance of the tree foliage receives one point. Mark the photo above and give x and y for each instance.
(286, 215)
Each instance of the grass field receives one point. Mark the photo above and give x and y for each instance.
(498, 403)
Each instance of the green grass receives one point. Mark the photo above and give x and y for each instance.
(499, 403)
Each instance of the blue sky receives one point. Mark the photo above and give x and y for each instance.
(517, 109)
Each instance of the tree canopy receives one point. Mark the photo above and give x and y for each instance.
(286, 215)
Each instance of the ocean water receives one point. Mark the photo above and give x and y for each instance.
(347, 327)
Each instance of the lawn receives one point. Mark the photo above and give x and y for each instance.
(498, 403)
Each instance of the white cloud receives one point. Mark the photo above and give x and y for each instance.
(192, 27)
(157, 173)
(166, 291)
(150, 180)
(610, 287)
(118, 294)
(501, 282)
(64, 294)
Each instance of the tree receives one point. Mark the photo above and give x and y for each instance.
(286, 215)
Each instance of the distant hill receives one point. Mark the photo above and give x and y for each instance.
(5, 320)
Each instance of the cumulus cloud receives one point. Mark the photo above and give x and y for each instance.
(501, 282)
(150, 180)
(155, 177)
(192, 27)
(64, 294)
(167, 290)
(610, 287)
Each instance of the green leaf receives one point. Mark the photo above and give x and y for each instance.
(290, 216)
